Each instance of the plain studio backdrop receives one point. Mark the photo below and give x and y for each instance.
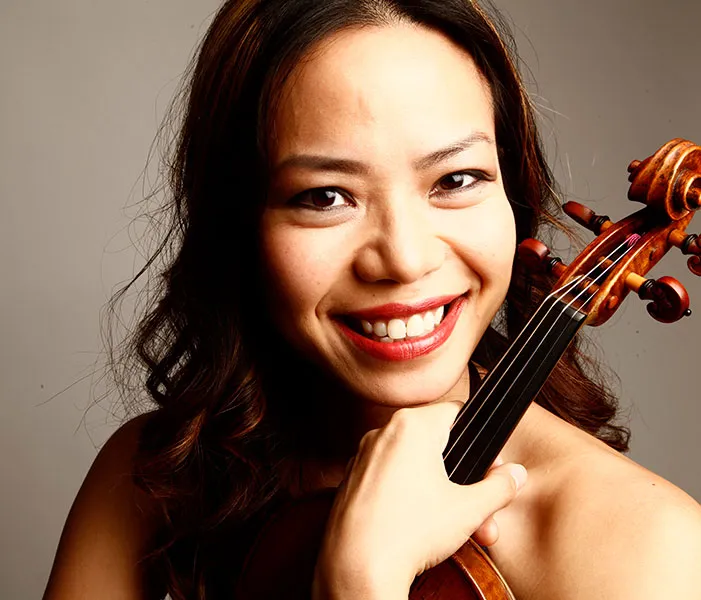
(84, 85)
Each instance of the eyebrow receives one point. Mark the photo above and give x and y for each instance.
(348, 166)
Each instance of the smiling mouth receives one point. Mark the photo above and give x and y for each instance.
(412, 327)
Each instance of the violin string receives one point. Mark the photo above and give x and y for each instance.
(562, 312)
(499, 404)
(562, 291)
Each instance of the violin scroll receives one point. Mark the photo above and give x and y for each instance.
(668, 183)
(669, 180)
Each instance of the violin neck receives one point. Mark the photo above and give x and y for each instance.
(490, 416)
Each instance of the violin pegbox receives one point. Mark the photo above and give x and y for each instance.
(616, 261)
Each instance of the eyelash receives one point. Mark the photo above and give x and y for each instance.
(478, 176)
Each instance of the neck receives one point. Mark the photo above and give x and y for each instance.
(486, 422)
(329, 422)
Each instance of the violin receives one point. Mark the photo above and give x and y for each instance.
(587, 292)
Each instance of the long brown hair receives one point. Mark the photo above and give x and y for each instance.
(211, 454)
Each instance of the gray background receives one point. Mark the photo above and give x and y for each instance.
(84, 84)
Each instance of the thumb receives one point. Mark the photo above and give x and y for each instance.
(481, 500)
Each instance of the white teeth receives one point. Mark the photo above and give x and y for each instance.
(380, 329)
(399, 329)
(439, 314)
(429, 321)
(415, 326)
(396, 329)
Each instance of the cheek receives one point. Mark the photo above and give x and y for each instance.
(485, 239)
(299, 270)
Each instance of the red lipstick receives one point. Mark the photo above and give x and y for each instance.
(409, 348)
(397, 310)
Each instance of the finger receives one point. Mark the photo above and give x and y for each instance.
(349, 467)
(442, 416)
(498, 461)
(481, 500)
(487, 534)
(433, 421)
(442, 413)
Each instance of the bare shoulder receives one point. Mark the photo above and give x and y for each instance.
(635, 535)
(107, 528)
(645, 526)
(591, 523)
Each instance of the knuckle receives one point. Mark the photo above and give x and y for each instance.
(511, 483)
(367, 440)
(504, 486)
(401, 421)
(513, 480)
(454, 405)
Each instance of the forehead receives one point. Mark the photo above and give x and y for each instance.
(374, 88)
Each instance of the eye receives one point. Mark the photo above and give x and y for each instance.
(459, 181)
(321, 199)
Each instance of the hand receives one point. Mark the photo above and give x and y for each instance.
(397, 514)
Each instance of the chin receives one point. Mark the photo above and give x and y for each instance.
(396, 390)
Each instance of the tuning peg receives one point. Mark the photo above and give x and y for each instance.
(586, 217)
(688, 244)
(670, 300)
(536, 256)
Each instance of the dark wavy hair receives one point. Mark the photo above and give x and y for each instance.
(214, 452)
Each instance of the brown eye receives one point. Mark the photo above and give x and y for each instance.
(321, 199)
(456, 181)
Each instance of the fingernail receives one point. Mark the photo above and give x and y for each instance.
(519, 473)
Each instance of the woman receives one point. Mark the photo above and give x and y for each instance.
(350, 182)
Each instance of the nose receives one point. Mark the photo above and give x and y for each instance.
(402, 245)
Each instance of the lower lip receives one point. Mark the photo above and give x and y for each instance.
(410, 348)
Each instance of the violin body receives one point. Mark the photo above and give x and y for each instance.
(289, 543)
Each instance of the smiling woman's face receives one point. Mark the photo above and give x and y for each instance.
(386, 203)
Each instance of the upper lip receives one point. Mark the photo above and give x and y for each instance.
(399, 310)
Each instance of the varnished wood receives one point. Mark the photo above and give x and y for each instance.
(469, 573)
(586, 217)
(669, 184)
(535, 255)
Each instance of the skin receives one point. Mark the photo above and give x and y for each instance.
(588, 522)
(395, 233)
